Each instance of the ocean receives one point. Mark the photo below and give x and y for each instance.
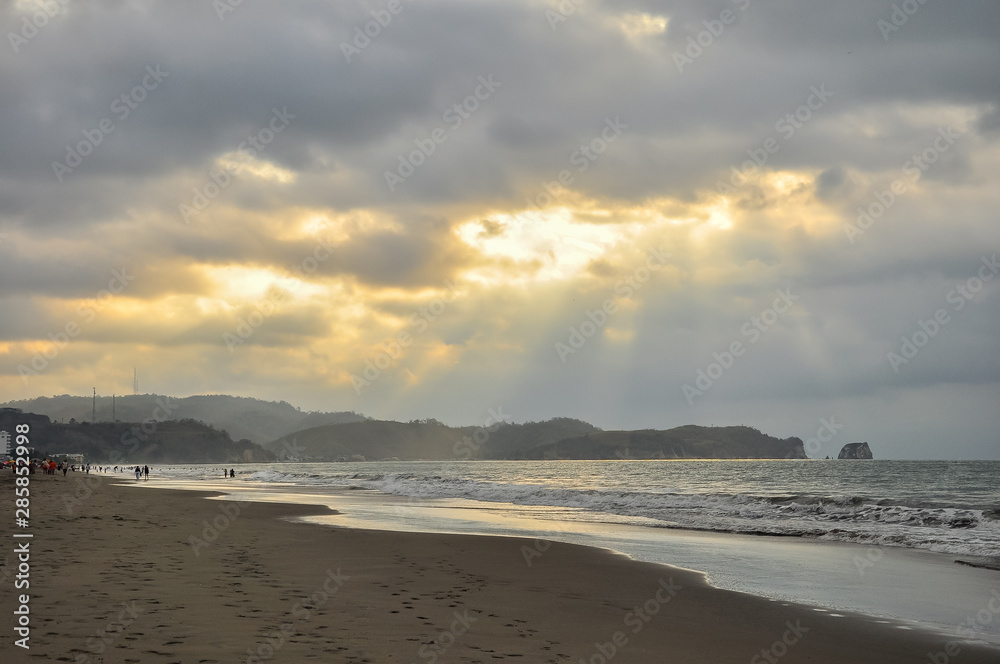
(875, 537)
(943, 506)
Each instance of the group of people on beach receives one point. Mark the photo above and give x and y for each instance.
(138, 470)
(50, 467)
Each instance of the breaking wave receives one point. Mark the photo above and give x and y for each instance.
(966, 530)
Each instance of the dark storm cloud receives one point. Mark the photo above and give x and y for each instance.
(557, 87)
(206, 85)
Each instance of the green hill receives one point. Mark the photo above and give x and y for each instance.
(686, 442)
(560, 438)
(202, 428)
(253, 419)
(421, 439)
(374, 439)
(184, 441)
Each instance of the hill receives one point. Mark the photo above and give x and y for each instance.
(253, 419)
(560, 438)
(184, 441)
(420, 439)
(686, 442)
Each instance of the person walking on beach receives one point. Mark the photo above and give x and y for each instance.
(145, 471)
(232, 473)
(138, 472)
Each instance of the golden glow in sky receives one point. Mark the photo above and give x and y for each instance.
(301, 270)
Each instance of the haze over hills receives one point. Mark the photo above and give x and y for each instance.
(423, 439)
(243, 417)
(116, 443)
(560, 438)
(266, 430)
(684, 442)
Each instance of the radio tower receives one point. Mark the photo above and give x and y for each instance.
(135, 381)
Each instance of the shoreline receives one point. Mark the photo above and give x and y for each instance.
(836, 576)
(266, 587)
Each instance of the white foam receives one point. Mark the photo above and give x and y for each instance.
(847, 518)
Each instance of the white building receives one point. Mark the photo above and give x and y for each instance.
(5, 443)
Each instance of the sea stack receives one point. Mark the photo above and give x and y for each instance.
(856, 451)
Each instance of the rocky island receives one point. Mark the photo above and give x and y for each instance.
(856, 451)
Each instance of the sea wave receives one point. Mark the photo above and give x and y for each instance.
(872, 520)
(839, 518)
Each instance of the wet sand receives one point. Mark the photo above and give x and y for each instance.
(119, 575)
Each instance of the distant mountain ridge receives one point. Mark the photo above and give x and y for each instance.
(117, 443)
(286, 433)
(243, 417)
(684, 442)
(560, 438)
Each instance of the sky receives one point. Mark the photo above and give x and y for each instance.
(642, 214)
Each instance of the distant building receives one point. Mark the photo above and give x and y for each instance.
(70, 458)
(5, 443)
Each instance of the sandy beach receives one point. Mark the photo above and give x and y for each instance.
(125, 575)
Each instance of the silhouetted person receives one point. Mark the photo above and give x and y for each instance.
(232, 473)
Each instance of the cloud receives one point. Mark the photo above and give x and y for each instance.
(530, 203)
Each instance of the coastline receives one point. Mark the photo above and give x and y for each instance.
(843, 577)
(127, 575)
